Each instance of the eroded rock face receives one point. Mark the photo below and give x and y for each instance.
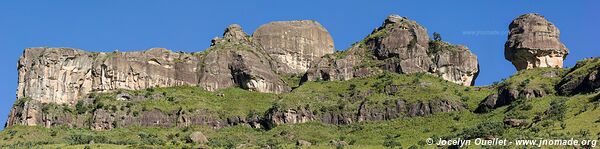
(403, 41)
(294, 44)
(584, 77)
(340, 66)
(400, 45)
(236, 61)
(454, 63)
(62, 75)
(534, 42)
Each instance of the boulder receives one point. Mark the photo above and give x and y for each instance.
(294, 44)
(303, 143)
(198, 137)
(534, 42)
(515, 122)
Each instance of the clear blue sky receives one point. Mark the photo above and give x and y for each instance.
(188, 25)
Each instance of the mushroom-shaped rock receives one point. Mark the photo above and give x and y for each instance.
(534, 42)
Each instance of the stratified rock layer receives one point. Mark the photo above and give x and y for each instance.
(534, 42)
(62, 75)
(294, 44)
(402, 46)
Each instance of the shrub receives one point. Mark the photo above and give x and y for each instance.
(85, 139)
(437, 36)
(391, 142)
(80, 107)
(484, 129)
(557, 110)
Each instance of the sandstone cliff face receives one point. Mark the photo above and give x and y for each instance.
(62, 75)
(402, 46)
(455, 63)
(403, 41)
(236, 61)
(294, 44)
(534, 42)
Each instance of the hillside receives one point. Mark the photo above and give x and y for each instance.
(549, 116)
(285, 87)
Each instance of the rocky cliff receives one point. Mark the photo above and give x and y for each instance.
(534, 42)
(62, 75)
(294, 44)
(257, 63)
(400, 45)
(235, 61)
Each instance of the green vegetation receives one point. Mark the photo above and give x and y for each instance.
(543, 79)
(550, 116)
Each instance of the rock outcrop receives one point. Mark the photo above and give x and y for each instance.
(294, 44)
(584, 77)
(400, 45)
(454, 63)
(402, 42)
(34, 113)
(62, 75)
(237, 61)
(534, 42)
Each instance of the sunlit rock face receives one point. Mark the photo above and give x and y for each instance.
(534, 42)
(62, 75)
(454, 63)
(294, 45)
(236, 61)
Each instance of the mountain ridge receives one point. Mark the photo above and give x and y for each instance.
(392, 82)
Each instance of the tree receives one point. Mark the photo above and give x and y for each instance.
(437, 36)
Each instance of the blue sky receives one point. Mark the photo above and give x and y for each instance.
(188, 25)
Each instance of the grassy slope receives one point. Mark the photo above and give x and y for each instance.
(578, 118)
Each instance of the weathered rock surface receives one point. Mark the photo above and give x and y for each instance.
(400, 45)
(506, 95)
(584, 77)
(31, 113)
(198, 137)
(534, 42)
(294, 44)
(454, 63)
(237, 61)
(340, 66)
(62, 75)
(403, 41)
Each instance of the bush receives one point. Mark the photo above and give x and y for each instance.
(80, 107)
(437, 36)
(557, 110)
(391, 142)
(150, 139)
(76, 139)
(222, 143)
(484, 129)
